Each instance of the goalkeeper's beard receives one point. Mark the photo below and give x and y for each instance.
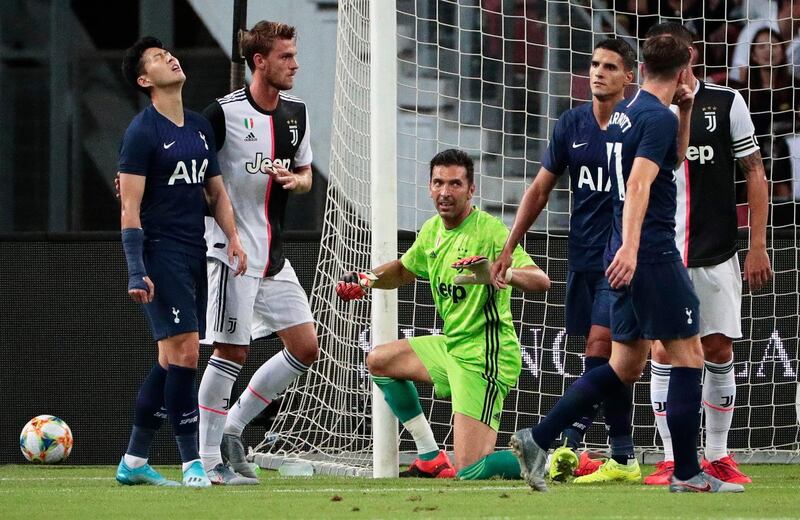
(448, 208)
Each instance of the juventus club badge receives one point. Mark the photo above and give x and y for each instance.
(711, 120)
(293, 131)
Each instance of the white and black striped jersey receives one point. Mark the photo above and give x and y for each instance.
(721, 131)
(250, 139)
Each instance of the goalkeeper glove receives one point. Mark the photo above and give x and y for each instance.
(479, 268)
(352, 285)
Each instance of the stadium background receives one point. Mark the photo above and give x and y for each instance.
(75, 346)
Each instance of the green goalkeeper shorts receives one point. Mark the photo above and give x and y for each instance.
(472, 392)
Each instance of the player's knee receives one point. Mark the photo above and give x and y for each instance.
(185, 356)
(308, 352)
(182, 350)
(659, 353)
(598, 347)
(233, 353)
(376, 363)
(627, 373)
(717, 348)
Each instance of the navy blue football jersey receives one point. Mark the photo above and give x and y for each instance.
(176, 160)
(579, 145)
(644, 127)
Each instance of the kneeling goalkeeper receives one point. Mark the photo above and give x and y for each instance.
(477, 359)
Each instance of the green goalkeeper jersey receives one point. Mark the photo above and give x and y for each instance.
(477, 318)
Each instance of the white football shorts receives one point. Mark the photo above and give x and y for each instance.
(244, 308)
(719, 288)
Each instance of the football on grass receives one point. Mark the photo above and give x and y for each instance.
(46, 439)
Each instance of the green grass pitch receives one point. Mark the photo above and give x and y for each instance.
(87, 492)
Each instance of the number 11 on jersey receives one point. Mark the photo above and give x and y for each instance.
(615, 150)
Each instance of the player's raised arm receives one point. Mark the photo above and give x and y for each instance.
(684, 99)
(530, 207)
(131, 187)
(222, 210)
(637, 195)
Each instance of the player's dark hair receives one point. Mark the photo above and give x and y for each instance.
(674, 29)
(132, 66)
(664, 56)
(261, 38)
(454, 157)
(622, 48)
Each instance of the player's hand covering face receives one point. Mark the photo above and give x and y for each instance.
(684, 96)
(353, 285)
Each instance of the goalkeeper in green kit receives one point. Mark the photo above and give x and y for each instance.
(476, 360)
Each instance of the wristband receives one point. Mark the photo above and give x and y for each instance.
(133, 244)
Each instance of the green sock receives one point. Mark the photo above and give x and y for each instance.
(429, 456)
(403, 399)
(502, 464)
(401, 396)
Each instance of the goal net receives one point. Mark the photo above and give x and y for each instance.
(491, 78)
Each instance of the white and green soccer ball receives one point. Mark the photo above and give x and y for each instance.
(46, 439)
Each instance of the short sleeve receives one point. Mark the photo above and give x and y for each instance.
(416, 258)
(304, 156)
(659, 139)
(556, 158)
(135, 150)
(520, 258)
(742, 129)
(216, 118)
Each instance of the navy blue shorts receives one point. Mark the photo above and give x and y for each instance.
(181, 293)
(660, 303)
(587, 303)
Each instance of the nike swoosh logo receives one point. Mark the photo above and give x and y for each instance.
(188, 414)
(702, 489)
(576, 145)
(166, 146)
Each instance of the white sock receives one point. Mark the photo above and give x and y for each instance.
(420, 430)
(186, 465)
(267, 383)
(213, 400)
(659, 385)
(719, 396)
(133, 462)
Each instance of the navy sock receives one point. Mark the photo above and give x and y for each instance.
(622, 448)
(578, 400)
(148, 412)
(683, 419)
(180, 396)
(618, 407)
(575, 432)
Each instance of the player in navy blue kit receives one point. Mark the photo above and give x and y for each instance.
(653, 297)
(706, 235)
(168, 166)
(579, 146)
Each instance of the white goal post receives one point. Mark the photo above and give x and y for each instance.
(491, 77)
